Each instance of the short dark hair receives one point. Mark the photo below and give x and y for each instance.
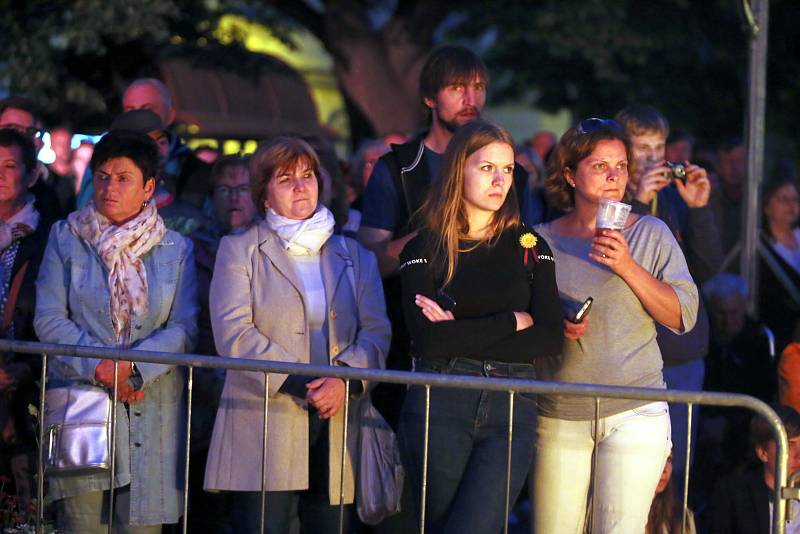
(135, 146)
(447, 65)
(19, 102)
(642, 119)
(729, 143)
(680, 135)
(226, 162)
(10, 137)
(761, 432)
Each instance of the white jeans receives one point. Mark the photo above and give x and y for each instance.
(632, 449)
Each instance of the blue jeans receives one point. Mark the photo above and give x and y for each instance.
(467, 447)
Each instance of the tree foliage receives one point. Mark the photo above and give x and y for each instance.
(688, 57)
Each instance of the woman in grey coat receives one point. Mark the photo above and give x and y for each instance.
(288, 290)
(114, 276)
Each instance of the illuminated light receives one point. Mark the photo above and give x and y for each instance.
(250, 146)
(176, 40)
(196, 142)
(231, 146)
(192, 128)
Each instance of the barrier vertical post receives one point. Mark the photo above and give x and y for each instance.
(189, 385)
(508, 462)
(40, 457)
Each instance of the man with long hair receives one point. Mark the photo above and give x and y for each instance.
(452, 88)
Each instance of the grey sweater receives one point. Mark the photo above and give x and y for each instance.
(619, 347)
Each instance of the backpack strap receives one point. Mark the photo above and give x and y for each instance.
(13, 296)
(350, 253)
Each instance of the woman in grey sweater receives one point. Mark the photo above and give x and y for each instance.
(637, 277)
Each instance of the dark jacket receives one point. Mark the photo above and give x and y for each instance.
(31, 249)
(696, 232)
(778, 281)
(740, 504)
(412, 179)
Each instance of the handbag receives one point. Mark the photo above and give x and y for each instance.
(380, 472)
(77, 425)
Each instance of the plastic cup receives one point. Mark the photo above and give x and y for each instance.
(611, 215)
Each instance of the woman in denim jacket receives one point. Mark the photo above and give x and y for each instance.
(113, 276)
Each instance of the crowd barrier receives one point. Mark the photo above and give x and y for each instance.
(781, 494)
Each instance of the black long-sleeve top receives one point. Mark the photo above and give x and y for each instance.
(490, 284)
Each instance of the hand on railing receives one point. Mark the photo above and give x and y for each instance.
(326, 395)
(104, 374)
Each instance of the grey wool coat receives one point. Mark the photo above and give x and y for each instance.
(258, 312)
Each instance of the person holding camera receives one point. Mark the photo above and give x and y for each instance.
(677, 193)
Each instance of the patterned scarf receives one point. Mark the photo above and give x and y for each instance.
(121, 248)
(303, 237)
(19, 225)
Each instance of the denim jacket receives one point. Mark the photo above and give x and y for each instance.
(73, 307)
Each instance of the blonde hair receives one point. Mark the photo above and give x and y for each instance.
(444, 213)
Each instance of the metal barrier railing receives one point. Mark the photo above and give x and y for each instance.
(781, 494)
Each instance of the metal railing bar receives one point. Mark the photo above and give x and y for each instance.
(264, 456)
(344, 455)
(426, 379)
(189, 389)
(398, 377)
(508, 460)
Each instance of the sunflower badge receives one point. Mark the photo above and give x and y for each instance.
(528, 242)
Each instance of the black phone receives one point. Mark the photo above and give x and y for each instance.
(445, 301)
(583, 311)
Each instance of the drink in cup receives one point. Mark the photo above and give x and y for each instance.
(611, 215)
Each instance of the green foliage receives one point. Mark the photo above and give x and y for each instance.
(688, 57)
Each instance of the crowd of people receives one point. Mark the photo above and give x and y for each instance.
(451, 251)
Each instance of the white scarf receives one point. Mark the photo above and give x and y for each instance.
(121, 248)
(303, 237)
(19, 225)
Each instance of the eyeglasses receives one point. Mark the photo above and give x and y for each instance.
(591, 125)
(31, 131)
(227, 191)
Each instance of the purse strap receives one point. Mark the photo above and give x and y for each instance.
(13, 296)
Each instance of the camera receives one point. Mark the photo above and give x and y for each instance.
(677, 171)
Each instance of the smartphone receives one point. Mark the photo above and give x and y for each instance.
(585, 307)
(445, 301)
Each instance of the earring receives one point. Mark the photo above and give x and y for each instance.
(145, 203)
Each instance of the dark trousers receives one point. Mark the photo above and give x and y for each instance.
(312, 506)
(467, 448)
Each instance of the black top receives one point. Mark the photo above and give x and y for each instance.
(740, 504)
(490, 284)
